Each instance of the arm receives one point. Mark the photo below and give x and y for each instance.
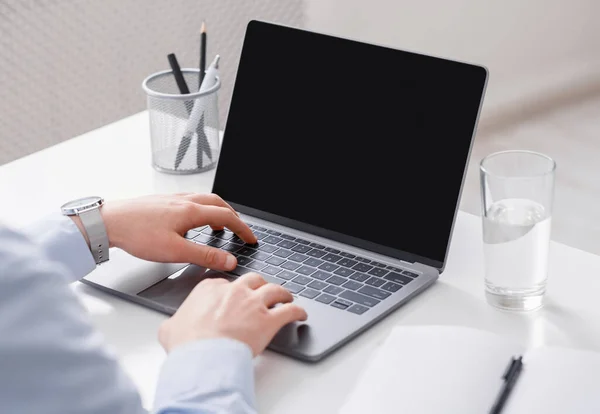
(207, 376)
(60, 238)
(52, 360)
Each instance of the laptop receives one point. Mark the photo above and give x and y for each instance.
(347, 160)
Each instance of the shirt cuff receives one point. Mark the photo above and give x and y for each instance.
(220, 369)
(62, 241)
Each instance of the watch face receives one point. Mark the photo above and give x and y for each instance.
(81, 203)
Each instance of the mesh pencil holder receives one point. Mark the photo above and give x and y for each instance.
(184, 129)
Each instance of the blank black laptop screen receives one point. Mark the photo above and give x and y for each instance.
(365, 142)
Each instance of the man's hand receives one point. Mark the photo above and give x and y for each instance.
(242, 310)
(152, 228)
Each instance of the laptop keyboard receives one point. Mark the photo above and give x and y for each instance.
(311, 270)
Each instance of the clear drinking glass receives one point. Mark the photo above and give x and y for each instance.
(517, 190)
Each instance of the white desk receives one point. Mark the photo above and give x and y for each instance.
(114, 162)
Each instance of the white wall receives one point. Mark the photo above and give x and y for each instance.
(72, 65)
(535, 49)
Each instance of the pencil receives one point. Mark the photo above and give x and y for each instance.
(183, 89)
(202, 54)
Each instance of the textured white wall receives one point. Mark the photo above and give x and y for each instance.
(69, 66)
(535, 49)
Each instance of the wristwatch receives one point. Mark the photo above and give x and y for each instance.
(88, 210)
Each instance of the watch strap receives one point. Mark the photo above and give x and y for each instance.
(96, 231)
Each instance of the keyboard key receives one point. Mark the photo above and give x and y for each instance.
(306, 270)
(317, 284)
(316, 253)
(374, 292)
(217, 243)
(379, 272)
(287, 275)
(301, 248)
(267, 248)
(260, 236)
(339, 304)
(361, 267)
(302, 280)
(261, 256)
(325, 298)
(375, 281)
(287, 237)
(232, 247)
(309, 293)
(358, 309)
(271, 270)
(302, 241)
(256, 265)
(293, 287)
(348, 255)
(259, 228)
(398, 278)
(287, 244)
(272, 239)
(359, 277)
(290, 265)
(333, 290)
(321, 275)
(394, 269)
(225, 235)
(336, 280)
(236, 239)
(391, 287)
(377, 264)
(282, 253)
(191, 234)
(347, 262)
(332, 257)
(317, 245)
(243, 261)
(342, 271)
(329, 267)
(249, 225)
(411, 274)
(274, 233)
(344, 302)
(246, 251)
(210, 231)
(358, 298)
(275, 261)
(240, 270)
(362, 259)
(297, 257)
(331, 250)
(352, 285)
(313, 262)
(202, 238)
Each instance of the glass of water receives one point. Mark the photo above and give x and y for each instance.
(517, 190)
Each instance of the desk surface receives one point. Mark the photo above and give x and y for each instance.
(114, 161)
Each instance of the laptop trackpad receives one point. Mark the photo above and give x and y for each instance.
(172, 291)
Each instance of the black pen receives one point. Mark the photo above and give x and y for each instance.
(202, 65)
(510, 377)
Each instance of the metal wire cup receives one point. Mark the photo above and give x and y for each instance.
(184, 129)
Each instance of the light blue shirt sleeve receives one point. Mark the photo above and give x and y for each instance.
(53, 361)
